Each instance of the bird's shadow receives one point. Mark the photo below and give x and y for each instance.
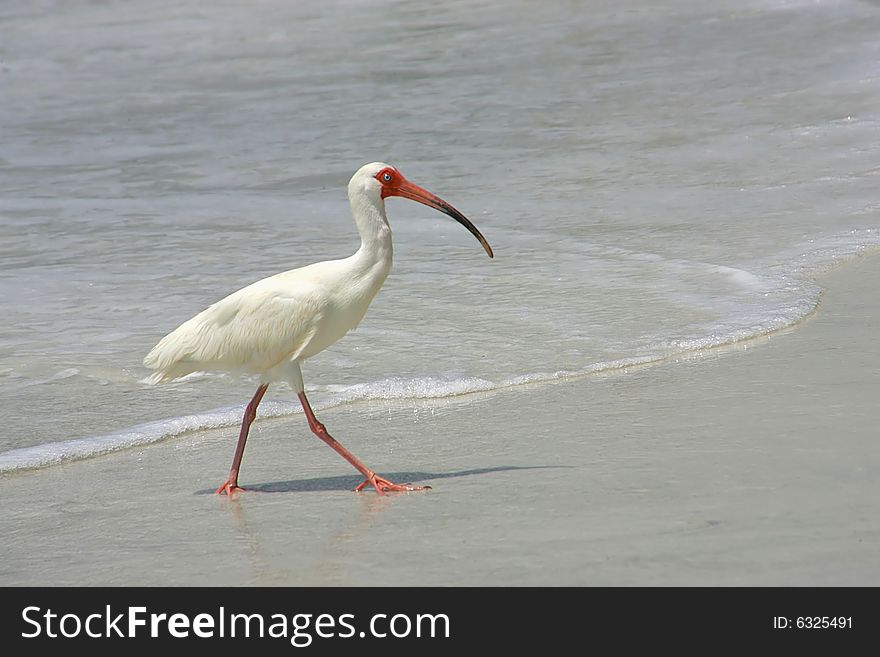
(348, 482)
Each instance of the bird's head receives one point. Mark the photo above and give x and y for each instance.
(378, 181)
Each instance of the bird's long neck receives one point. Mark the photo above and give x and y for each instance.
(372, 224)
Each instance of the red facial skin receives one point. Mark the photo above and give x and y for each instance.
(395, 184)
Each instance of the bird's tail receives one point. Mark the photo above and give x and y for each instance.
(167, 362)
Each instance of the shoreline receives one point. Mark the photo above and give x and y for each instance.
(36, 457)
(707, 468)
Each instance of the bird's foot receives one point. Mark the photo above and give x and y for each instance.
(383, 486)
(229, 488)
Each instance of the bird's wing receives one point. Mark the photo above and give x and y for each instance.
(252, 330)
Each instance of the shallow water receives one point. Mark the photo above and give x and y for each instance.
(654, 180)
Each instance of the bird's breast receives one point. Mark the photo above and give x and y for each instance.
(345, 307)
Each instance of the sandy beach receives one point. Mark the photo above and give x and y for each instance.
(768, 477)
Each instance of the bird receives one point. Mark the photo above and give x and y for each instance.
(270, 327)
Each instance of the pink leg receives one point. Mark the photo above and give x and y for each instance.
(381, 484)
(231, 486)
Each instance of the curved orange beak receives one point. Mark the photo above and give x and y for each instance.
(409, 190)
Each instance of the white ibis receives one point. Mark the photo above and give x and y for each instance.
(270, 327)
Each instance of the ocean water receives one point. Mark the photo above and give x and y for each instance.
(656, 179)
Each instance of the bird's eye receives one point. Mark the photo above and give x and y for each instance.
(386, 177)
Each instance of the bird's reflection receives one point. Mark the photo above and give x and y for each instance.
(334, 557)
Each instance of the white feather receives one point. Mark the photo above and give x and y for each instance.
(288, 317)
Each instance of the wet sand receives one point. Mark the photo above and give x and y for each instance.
(756, 465)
